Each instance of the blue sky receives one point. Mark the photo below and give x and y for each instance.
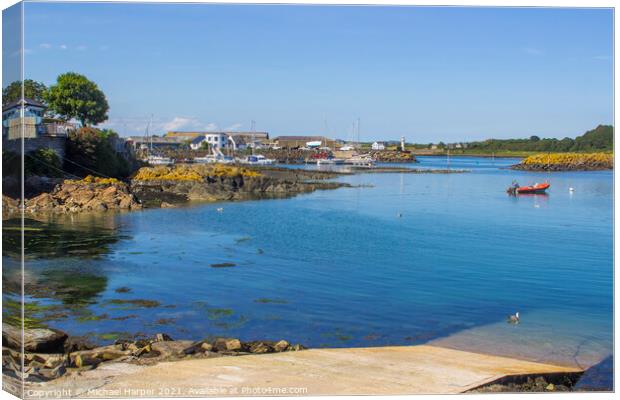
(430, 74)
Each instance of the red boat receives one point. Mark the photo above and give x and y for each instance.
(534, 189)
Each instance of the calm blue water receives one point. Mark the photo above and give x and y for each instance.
(340, 268)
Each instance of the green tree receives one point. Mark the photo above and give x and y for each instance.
(91, 151)
(32, 89)
(74, 96)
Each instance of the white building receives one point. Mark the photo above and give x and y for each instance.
(378, 146)
(216, 140)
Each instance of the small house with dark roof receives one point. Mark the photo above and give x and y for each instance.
(196, 142)
(24, 111)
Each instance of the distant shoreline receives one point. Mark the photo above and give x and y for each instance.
(471, 155)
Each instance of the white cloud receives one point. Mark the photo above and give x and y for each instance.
(137, 126)
(533, 51)
(233, 127)
(187, 123)
(211, 127)
(63, 47)
(176, 123)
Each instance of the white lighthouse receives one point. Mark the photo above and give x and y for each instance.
(402, 143)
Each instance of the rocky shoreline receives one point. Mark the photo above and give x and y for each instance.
(50, 353)
(556, 162)
(167, 187)
(233, 185)
(393, 156)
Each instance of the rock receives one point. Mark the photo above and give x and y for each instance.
(82, 197)
(125, 203)
(44, 201)
(109, 193)
(37, 340)
(550, 387)
(143, 350)
(89, 194)
(296, 347)
(206, 346)
(162, 337)
(98, 355)
(166, 205)
(227, 344)
(78, 343)
(168, 350)
(96, 205)
(282, 345)
(50, 360)
(81, 360)
(52, 373)
(260, 348)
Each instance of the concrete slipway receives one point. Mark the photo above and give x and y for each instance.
(378, 370)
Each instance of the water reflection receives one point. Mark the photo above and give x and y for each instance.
(54, 237)
(58, 279)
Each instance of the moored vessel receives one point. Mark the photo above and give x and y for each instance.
(537, 188)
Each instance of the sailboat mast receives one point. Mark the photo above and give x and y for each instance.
(252, 128)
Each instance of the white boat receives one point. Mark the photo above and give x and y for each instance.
(151, 158)
(361, 161)
(159, 160)
(330, 161)
(205, 160)
(210, 159)
(258, 159)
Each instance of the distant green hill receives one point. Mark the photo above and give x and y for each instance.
(600, 138)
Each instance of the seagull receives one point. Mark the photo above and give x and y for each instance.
(220, 209)
(399, 215)
(571, 189)
(514, 319)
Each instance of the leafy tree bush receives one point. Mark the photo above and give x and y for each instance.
(91, 151)
(598, 139)
(32, 89)
(41, 162)
(74, 96)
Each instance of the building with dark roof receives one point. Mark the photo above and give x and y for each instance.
(293, 142)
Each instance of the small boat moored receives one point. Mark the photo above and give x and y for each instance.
(537, 188)
(258, 159)
(158, 160)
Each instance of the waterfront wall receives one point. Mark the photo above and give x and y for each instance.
(56, 143)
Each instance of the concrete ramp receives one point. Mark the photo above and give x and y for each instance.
(376, 371)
